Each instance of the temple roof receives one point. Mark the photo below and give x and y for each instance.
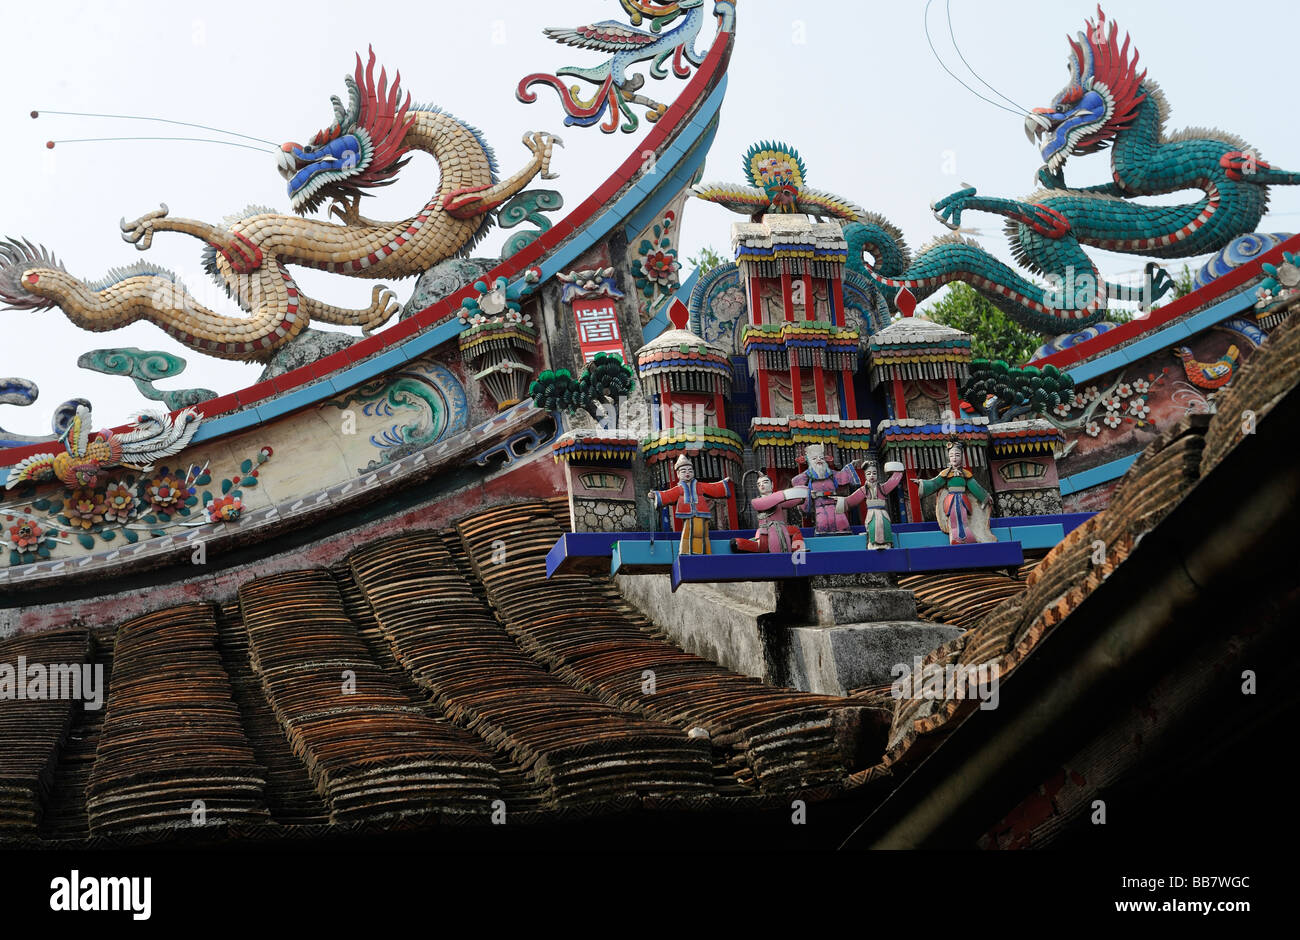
(431, 673)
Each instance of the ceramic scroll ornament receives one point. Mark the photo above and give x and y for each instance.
(690, 500)
(616, 91)
(366, 146)
(775, 534)
(823, 483)
(875, 508)
(963, 521)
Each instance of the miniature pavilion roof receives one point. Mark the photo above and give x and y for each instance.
(792, 238)
(907, 332)
(680, 349)
(595, 444)
(1019, 435)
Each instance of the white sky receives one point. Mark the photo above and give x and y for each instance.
(852, 85)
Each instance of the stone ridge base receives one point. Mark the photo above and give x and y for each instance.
(1042, 501)
(828, 635)
(602, 515)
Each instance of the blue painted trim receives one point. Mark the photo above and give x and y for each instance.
(226, 424)
(299, 398)
(645, 553)
(430, 339)
(1161, 338)
(632, 550)
(773, 566)
(1097, 475)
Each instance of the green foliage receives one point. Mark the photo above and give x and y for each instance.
(558, 391)
(605, 379)
(994, 335)
(1183, 282)
(708, 259)
(1020, 391)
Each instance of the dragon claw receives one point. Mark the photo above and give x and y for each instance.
(140, 232)
(952, 225)
(383, 304)
(948, 209)
(540, 143)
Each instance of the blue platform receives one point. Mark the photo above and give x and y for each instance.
(769, 566)
(920, 546)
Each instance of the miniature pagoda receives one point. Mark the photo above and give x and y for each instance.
(687, 383)
(801, 356)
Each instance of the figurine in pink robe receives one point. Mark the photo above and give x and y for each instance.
(871, 496)
(774, 534)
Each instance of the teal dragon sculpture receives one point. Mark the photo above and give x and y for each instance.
(1107, 102)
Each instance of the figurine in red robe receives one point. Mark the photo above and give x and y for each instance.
(690, 500)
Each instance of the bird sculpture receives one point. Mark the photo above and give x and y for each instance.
(1208, 374)
(617, 90)
(776, 174)
(87, 455)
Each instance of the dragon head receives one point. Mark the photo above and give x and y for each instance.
(361, 149)
(778, 170)
(1100, 100)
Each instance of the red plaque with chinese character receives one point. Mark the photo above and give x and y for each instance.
(597, 321)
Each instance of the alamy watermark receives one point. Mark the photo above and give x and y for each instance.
(24, 681)
(79, 892)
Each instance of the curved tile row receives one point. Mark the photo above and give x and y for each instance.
(368, 749)
(782, 739)
(450, 642)
(172, 750)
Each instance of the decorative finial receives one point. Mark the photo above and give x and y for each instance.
(678, 314)
(905, 302)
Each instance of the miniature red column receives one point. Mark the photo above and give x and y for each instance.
(810, 314)
(787, 301)
(755, 302)
(764, 392)
(905, 303)
(913, 494)
(850, 401)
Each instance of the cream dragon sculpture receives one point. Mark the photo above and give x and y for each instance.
(368, 143)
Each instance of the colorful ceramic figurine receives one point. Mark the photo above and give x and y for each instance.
(775, 534)
(822, 482)
(690, 501)
(872, 493)
(953, 508)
